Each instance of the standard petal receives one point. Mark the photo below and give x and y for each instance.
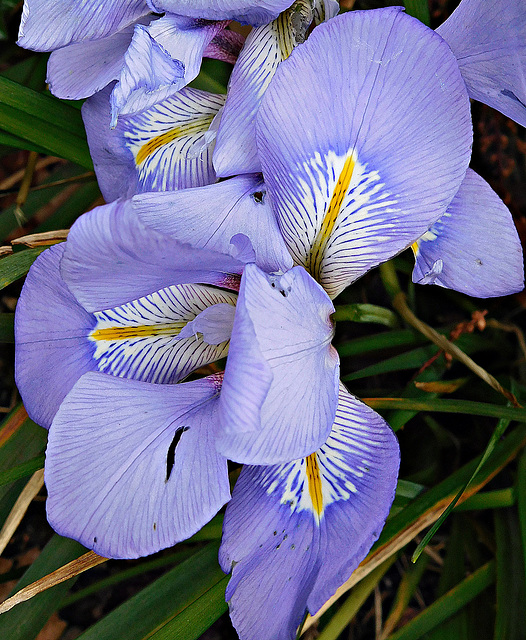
(474, 248)
(51, 336)
(50, 24)
(164, 336)
(148, 75)
(111, 258)
(264, 49)
(307, 524)
(131, 467)
(254, 13)
(211, 216)
(79, 70)
(388, 144)
(489, 41)
(280, 388)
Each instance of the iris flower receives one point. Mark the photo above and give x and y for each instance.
(364, 138)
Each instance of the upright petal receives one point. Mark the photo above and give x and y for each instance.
(280, 388)
(148, 75)
(294, 533)
(50, 24)
(254, 13)
(52, 350)
(474, 248)
(387, 147)
(264, 49)
(79, 70)
(489, 41)
(111, 258)
(211, 216)
(168, 146)
(178, 44)
(131, 467)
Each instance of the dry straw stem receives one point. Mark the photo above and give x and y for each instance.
(69, 570)
(400, 304)
(20, 507)
(42, 239)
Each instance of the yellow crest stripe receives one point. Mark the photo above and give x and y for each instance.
(141, 331)
(194, 126)
(314, 480)
(329, 221)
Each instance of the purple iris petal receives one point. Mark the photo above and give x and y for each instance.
(168, 146)
(489, 41)
(131, 467)
(148, 75)
(474, 248)
(162, 59)
(281, 379)
(111, 258)
(113, 162)
(294, 533)
(254, 13)
(50, 24)
(211, 216)
(265, 48)
(79, 70)
(51, 329)
(388, 144)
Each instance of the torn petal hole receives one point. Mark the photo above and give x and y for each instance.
(170, 457)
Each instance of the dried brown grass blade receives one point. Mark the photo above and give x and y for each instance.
(42, 239)
(20, 507)
(69, 570)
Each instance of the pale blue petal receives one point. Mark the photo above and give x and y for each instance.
(111, 258)
(148, 76)
(294, 533)
(211, 216)
(254, 13)
(281, 378)
(50, 24)
(265, 48)
(474, 248)
(52, 350)
(388, 146)
(489, 41)
(131, 467)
